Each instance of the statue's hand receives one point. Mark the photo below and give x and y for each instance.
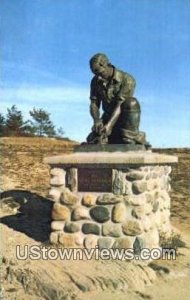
(106, 130)
(98, 125)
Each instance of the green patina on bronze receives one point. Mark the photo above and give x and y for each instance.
(113, 90)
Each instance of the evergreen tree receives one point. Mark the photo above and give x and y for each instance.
(60, 132)
(14, 123)
(2, 125)
(41, 123)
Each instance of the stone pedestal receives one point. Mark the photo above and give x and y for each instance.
(110, 199)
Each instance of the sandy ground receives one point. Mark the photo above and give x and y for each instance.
(25, 217)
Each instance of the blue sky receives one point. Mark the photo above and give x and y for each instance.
(46, 46)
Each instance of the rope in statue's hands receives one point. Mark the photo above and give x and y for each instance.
(105, 130)
(101, 132)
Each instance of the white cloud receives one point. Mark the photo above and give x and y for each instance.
(44, 95)
(26, 71)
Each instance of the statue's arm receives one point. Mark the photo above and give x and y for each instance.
(126, 90)
(94, 110)
(113, 119)
(95, 105)
(94, 100)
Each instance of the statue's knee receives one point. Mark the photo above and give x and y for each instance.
(131, 103)
(130, 114)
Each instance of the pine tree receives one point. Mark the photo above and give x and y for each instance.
(14, 123)
(2, 125)
(41, 123)
(60, 132)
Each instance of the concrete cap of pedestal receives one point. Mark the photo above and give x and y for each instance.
(111, 159)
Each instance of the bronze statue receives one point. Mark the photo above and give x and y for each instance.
(113, 89)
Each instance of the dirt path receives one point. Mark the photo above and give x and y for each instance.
(29, 279)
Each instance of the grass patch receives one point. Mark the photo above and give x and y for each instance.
(174, 241)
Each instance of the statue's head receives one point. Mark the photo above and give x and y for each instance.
(100, 65)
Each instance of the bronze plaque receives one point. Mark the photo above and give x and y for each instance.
(94, 180)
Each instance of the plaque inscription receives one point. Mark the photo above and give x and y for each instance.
(94, 180)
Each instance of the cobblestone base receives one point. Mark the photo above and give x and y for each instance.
(132, 216)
